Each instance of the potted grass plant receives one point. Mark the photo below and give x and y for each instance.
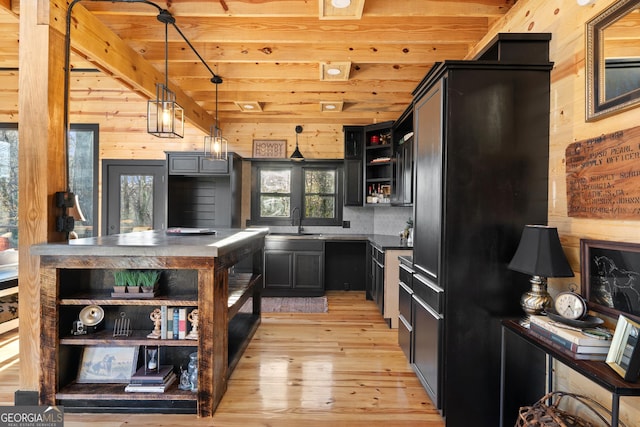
(120, 281)
(148, 280)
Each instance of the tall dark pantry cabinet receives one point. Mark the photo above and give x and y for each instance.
(481, 131)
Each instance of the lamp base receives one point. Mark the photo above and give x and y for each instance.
(537, 299)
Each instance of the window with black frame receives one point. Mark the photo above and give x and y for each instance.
(281, 190)
(83, 174)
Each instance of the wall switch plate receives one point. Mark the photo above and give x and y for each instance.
(346, 224)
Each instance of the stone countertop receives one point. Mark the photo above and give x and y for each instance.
(381, 241)
(154, 243)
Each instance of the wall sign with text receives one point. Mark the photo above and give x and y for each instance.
(603, 176)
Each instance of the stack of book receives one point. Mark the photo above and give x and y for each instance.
(570, 342)
(156, 381)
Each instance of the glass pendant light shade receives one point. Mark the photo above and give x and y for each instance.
(165, 117)
(215, 145)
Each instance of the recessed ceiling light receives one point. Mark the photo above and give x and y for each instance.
(333, 71)
(331, 106)
(248, 106)
(340, 4)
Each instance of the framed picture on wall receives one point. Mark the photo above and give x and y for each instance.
(610, 277)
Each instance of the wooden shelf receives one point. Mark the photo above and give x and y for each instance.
(138, 337)
(81, 391)
(106, 299)
(240, 287)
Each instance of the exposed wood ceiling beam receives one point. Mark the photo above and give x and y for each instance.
(92, 39)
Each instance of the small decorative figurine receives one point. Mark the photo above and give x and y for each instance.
(156, 318)
(193, 318)
(185, 382)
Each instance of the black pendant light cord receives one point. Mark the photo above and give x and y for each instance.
(163, 16)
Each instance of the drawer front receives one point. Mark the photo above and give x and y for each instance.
(378, 255)
(294, 244)
(429, 292)
(404, 300)
(406, 275)
(405, 337)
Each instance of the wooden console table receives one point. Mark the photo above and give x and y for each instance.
(598, 372)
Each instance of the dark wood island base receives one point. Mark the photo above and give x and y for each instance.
(214, 274)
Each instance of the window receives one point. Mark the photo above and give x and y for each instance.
(8, 186)
(83, 144)
(83, 174)
(314, 188)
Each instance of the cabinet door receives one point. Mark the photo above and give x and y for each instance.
(278, 270)
(407, 172)
(428, 191)
(427, 334)
(308, 271)
(183, 164)
(213, 166)
(353, 183)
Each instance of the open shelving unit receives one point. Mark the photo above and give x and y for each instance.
(70, 283)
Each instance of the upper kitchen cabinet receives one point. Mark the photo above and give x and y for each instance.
(368, 164)
(481, 130)
(378, 161)
(402, 136)
(203, 193)
(353, 166)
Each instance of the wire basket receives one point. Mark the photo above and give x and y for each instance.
(546, 412)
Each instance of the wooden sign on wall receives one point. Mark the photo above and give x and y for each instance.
(269, 148)
(603, 176)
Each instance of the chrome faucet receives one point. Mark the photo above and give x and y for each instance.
(293, 218)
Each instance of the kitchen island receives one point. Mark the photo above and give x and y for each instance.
(213, 273)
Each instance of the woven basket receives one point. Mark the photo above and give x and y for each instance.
(547, 413)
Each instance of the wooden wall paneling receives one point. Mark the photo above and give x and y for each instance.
(566, 21)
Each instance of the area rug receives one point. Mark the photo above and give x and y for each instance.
(290, 305)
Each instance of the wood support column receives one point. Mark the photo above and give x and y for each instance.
(41, 165)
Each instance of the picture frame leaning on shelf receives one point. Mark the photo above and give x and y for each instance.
(107, 364)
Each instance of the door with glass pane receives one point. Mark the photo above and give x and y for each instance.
(134, 196)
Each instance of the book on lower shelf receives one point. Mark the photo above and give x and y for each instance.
(151, 388)
(155, 376)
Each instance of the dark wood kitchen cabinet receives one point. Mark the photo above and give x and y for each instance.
(368, 162)
(402, 134)
(353, 166)
(293, 267)
(203, 193)
(481, 130)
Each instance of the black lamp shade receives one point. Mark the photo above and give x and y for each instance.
(540, 253)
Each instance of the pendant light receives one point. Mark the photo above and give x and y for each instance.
(297, 155)
(165, 117)
(215, 146)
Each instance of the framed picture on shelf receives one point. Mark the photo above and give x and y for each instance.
(610, 277)
(624, 353)
(108, 364)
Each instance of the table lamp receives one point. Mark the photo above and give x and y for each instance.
(540, 255)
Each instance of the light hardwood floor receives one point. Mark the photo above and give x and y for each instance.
(341, 368)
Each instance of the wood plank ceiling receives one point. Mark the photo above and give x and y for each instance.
(271, 53)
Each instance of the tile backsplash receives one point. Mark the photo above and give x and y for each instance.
(385, 220)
